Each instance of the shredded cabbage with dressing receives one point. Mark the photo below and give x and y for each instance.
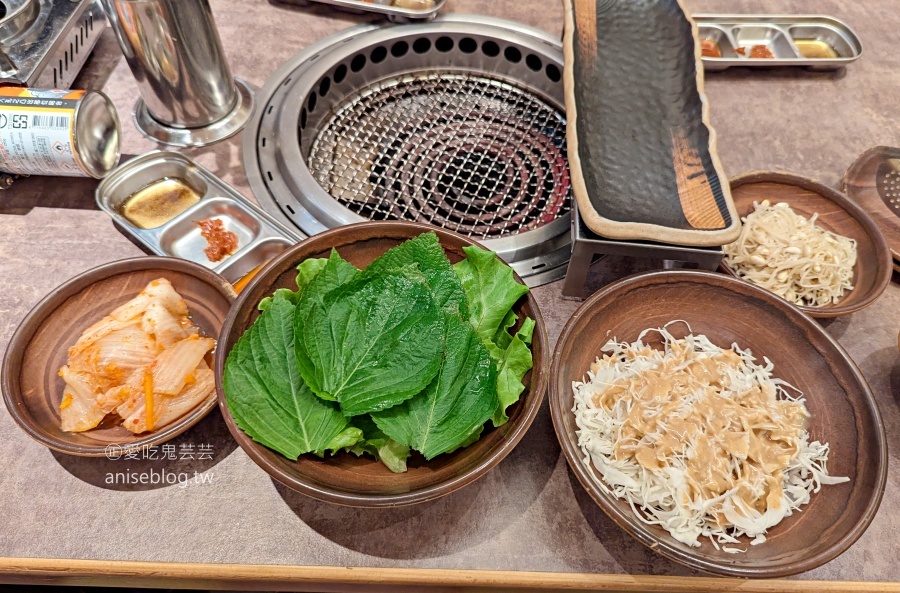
(790, 256)
(698, 439)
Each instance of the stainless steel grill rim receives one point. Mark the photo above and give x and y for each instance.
(308, 92)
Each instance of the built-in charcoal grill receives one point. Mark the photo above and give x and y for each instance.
(460, 151)
(458, 123)
(44, 43)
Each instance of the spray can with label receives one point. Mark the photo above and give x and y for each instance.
(70, 133)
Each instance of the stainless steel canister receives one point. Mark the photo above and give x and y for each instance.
(174, 52)
(57, 132)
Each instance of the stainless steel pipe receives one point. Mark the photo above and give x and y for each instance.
(174, 52)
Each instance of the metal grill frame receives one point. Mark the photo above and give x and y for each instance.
(46, 45)
(275, 155)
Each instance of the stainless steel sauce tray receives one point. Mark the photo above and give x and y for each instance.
(779, 33)
(394, 13)
(260, 237)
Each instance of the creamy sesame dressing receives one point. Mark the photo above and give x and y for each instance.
(699, 439)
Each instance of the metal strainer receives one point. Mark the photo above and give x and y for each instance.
(887, 180)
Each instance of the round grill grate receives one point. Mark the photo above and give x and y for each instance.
(466, 152)
(459, 123)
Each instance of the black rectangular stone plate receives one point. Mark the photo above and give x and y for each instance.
(641, 150)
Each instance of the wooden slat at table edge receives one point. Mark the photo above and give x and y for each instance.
(346, 579)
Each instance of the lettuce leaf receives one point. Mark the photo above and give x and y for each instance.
(491, 290)
(502, 338)
(426, 251)
(391, 453)
(372, 343)
(310, 268)
(267, 396)
(514, 363)
(306, 271)
(280, 293)
(380, 446)
(460, 399)
(345, 440)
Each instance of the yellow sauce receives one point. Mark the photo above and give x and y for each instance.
(159, 202)
(815, 49)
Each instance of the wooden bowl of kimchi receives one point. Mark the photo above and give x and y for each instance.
(32, 388)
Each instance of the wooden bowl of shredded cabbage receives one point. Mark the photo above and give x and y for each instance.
(761, 364)
(808, 244)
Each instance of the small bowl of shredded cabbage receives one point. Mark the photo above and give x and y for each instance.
(808, 244)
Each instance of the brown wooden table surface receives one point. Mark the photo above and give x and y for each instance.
(526, 525)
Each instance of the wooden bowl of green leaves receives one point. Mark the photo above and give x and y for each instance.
(382, 364)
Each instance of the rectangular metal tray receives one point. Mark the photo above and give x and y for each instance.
(260, 236)
(394, 13)
(778, 33)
